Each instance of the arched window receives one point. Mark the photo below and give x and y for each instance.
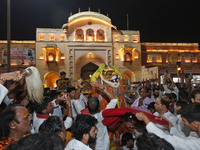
(127, 57)
(51, 57)
(79, 36)
(90, 35)
(100, 36)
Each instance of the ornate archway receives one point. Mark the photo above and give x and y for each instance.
(87, 70)
(50, 79)
(86, 59)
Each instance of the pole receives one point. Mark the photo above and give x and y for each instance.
(8, 35)
(127, 22)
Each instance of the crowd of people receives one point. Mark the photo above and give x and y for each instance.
(69, 120)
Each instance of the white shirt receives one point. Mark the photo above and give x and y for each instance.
(7, 101)
(78, 105)
(3, 92)
(188, 143)
(38, 121)
(102, 141)
(170, 117)
(76, 145)
(175, 91)
(58, 112)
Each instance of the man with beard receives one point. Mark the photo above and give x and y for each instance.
(102, 142)
(84, 131)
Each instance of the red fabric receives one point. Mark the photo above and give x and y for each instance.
(42, 116)
(113, 116)
(85, 111)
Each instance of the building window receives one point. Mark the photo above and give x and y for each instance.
(126, 38)
(154, 58)
(100, 36)
(52, 37)
(135, 39)
(51, 57)
(128, 57)
(117, 38)
(79, 36)
(41, 37)
(90, 35)
(62, 37)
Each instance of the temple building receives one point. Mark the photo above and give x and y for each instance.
(89, 39)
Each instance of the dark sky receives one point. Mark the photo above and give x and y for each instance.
(157, 20)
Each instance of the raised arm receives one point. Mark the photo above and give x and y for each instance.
(103, 89)
(78, 91)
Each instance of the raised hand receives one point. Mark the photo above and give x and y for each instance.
(80, 83)
(97, 85)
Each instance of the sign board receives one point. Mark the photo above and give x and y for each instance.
(18, 56)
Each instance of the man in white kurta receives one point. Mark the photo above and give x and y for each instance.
(161, 110)
(102, 141)
(77, 145)
(179, 143)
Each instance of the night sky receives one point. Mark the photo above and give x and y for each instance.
(157, 20)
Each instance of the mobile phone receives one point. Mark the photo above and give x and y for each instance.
(167, 71)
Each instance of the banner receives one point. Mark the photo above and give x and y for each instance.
(18, 56)
(154, 58)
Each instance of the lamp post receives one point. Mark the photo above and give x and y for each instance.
(8, 35)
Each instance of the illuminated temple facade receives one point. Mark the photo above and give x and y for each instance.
(89, 39)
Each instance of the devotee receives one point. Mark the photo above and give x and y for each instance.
(142, 102)
(63, 82)
(195, 96)
(128, 141)
(44, 111)
(150, 141)
(191, 118)
(84, 131)
(39, 141)
(15, 122)
(151, 107)
(102, 142)
(62, 105)
(155, 94)
(3, 78)
(161, 107)
(169, 85)
(183, 130)
(77, 100)
(54, 125)
(79, 96)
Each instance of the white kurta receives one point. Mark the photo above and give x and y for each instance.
(38, 121)
(169, 116)
(102, 141)
(3, 92)
(188, 143)
(175, 91)
(76, 145)
(78, 105)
